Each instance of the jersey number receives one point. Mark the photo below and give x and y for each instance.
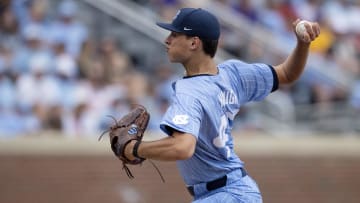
(222, 138)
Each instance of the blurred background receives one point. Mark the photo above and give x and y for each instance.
(67, 64)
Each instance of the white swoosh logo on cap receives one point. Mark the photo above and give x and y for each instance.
(185, 28)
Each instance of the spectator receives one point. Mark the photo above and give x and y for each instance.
(355, 96)
(68, 28)
(116, 62)
(38, 12)
(245, 7)
(342, 15)
(117, 109)
(37, 15)
(9, 28)
(164, 77)
(86, 58)
(271, 18)
(34, 44)
(7, 90)
(37, 87)
(309, 9)
(325, 41)
(66, 79)
(78, 123)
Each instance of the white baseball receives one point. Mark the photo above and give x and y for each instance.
(301, 29)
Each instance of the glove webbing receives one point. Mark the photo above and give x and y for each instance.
(127, 170)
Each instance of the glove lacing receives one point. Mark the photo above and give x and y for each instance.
(131, 176)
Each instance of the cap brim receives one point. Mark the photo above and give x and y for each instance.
(168, 26)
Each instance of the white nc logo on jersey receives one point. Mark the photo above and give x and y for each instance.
(181, 119)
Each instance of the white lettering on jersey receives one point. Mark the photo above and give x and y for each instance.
(181, 119)
(227, 97)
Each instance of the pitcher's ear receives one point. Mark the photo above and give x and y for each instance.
(196, 42)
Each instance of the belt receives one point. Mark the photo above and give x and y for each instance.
(215, 184)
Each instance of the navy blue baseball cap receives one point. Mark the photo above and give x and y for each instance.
(194, 22)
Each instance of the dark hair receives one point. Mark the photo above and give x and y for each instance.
(209, 46)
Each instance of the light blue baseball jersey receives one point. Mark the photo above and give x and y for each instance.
(205, 106)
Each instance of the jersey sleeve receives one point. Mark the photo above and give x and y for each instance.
(183, 115)
(256, 80)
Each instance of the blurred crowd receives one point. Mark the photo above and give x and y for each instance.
(55, 76)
